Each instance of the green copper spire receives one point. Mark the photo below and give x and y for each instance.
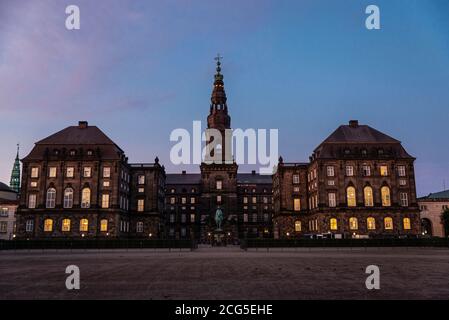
(15, 174)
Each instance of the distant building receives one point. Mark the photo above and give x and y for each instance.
(8, 207)
(432, 206)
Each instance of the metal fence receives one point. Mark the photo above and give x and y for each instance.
(97, 244)
(316, 243)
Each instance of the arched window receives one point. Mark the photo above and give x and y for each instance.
(333, 224)
(298, 226)
(371, 223)
(84, 225)
(68, 198)
(386, 200)
(407, 224)
(368, 195)
(350, 196)
(353, 223)
(104, 225)
(85, 198)
(48, 225)
(51, 198)
(65, 225)
(388, 223)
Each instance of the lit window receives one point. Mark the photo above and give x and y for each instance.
(218, 199)
(384, 171)
(401, 171)
(402, 182)
(385, 192)
(350, 195)
(366, 171)
(48, 225)
(371, 223)
(349, 171)
(219, 184)
(183, 200)
(333, 224)
(254, 199)
(332, 199)
(368, 195)
(32, 201)
(296, 178)
(34, 172)
(330, 171)
(298, 226)
(85, 198)
(139, 227)
(29, 226)
(404, 199)
(105, 200)
(65, 225)
(353, 223)
(192, 200)
(140, 205)
(51, 198)
(87, 172)
(407, 224)
(265, 200)
(331, 182)
(68, 198)
(388, 223)
(106, 172)
(89, 152)
(141, 190)
(52, 172)
(33, 184)
(245, 199)
(192, 217)
(84, 225)
(70, 172)
(106, 184)
(297, 204)
(104, 225)
(141, 179)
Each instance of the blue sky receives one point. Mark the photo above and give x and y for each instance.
(139, 69)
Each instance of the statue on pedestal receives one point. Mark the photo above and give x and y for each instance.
(219, 218)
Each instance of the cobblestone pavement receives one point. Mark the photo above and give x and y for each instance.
(226, 273)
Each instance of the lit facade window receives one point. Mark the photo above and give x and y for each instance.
(84, 225)
(141, 179)
(48, 225)
(245, 199)
(219, 184)
(407, 224)
(371, 223)
(297, 204)
(192, 218)
(140, 205)
(106, 172)
(51, 198)
(404, 199)
(68, 198)
(384, 171)
(65, 225)
(85, 198)
(298, 226)
(34, 172)
(330, 171)
(332, 199)
(350, 197)
(401, 171)
(388, 223)
(105, 200)
(172, 200)
(218, 199)
(104, 225)
(139, 227)
(296, 178)
(70, 172)
(368, 195)
(183, 200)
(353, 223)
(333, 224)
(87, 172)
(386, 199)
(192, 200)
(32, 201)
(254, 200)
(402, 182)
(349, 171)
(52, 172)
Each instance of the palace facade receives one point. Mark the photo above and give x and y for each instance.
(77, 183)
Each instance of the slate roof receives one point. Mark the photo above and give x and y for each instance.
(5, 188)
(254, 178)
(437, 195)
(179, 178)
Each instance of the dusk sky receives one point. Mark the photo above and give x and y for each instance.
(139, 69)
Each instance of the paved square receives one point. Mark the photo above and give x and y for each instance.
(227, 273)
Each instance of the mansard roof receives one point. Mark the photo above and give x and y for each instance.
(254, 178)
(183, 178)
(360, 136)
(74, 137)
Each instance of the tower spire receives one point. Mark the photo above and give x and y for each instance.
(218, 98)
(14, 183)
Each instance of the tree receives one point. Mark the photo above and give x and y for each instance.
(445, 221)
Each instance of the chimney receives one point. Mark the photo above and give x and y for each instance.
(82, 124)
(253, 172)
(353, 123)
(183, 172)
